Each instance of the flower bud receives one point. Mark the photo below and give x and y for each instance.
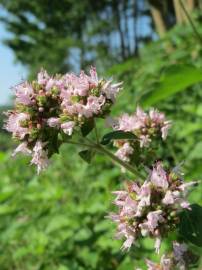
(157, 232)
(41, 100)
(75, 99)
(151, 131)
(95, 91)
(65, 111)
(38, 126)
(173, 214)
(41, 109)
(36, 86)
(41, 92)
(64, 118)
(34, 134)
(24, 123)
(55, 91)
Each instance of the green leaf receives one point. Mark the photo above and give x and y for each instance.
(190, 227)
(62, 267)
(175, 79)
(2, 156)
(53, 145)
(103, 226)
(57, 222)
(83, 234)
(117, 135)
(86, 155)
(196, 153)
(87, 127)
(6, 209)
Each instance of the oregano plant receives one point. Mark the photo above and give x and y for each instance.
(53, 110)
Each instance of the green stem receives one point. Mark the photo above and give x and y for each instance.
(96, 133)
(170, 147)
(99, 148)
(81, 144)
(127, 166)
(191, 22)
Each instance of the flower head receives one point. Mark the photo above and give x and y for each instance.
(150, 209)
(145, 126)
(52, 107)
(125, 152)
(87, 96)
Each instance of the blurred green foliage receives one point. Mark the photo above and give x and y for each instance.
(57, 220)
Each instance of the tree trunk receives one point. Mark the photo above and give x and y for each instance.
(179, 13)
(135, 32)
(200, 4)
(126, 19)
(118, 22)
(190, 5)
(158, 20)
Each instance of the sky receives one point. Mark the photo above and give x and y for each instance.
(10, 72)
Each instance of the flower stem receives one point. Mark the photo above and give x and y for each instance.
(96, 132)
(99, 148)
(127, 166)
(78, 143)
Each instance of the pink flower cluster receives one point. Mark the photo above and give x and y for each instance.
(176, 260)
(54, 105)
(145, 126)
(151, 208)
(87, 96)
(125, 150)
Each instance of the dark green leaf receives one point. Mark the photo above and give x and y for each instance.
(53, 145)
(175, 79)
(117, 135)
(86, 155)
(190, 227)
(87, 127)
(64, 137)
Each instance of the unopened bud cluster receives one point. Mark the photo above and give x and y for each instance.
(150, 209)
(56, 104)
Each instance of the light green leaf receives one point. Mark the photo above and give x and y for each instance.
(83, 234)
(174, 79)
(196, 153)
(58, 222)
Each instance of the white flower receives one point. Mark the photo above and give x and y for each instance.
(40, 157)
(159, 177)
(68, 127)
(53, 122)
(23, 149)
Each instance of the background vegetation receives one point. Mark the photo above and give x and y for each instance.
(56, 220)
